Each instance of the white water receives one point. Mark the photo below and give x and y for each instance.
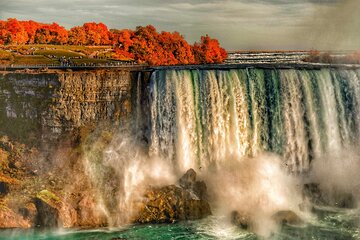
(200, 117)
(246, 132)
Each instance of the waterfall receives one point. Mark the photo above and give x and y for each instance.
(199, 118)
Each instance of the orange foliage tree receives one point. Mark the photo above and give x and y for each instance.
(96, 34)
(144, 45)
(30, 27)
(15, 32)
(3, 32)
(51, 34)
(77, 36)
(209, 51)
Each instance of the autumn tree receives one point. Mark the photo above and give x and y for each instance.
(3, 32)
(30, 28)
(96, 34)
(177, 49)
(146, 48)
(77, 36)
(145, 44)
(123, 41)
(51, 34)
(208, 51)
(16, 33)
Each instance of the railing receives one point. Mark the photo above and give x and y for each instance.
(71, 66)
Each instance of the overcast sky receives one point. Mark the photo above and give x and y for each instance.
(238, 24)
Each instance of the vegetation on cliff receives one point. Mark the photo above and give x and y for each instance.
(144, 44)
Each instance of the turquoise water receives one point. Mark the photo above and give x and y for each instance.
(330, 224)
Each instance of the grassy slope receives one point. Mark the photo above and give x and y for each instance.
(50, 54)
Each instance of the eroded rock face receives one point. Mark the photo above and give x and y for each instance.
(88, 213)
(43, 105)
(10, 219)
(173, 203)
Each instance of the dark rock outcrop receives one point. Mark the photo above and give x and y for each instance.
(173, 203)
(241, 220)
(4, 188)
(244, 221)
(29, 212)
(335, 198)
(53, 212)
(287, 217)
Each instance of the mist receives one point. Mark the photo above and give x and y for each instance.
(333, 28)
(257, 188)
(337, 174)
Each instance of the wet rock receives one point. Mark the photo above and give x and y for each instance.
(313, 193)
(331, 198)
(53, 212)
(287, 217)
(172, 203)
(345, 200)
(10, 219)
(241, 220)
(188, 181)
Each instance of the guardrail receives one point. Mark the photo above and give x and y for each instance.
(144, 67)
(13, 67)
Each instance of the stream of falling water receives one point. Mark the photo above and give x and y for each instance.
(251, 134)
(200, 117)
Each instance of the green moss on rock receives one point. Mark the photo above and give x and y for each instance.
(48, 197)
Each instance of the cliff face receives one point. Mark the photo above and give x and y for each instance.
(47, 123)
(37, 106)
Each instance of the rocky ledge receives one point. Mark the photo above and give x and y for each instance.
(185, 201)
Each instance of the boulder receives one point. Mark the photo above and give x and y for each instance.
(334, 198)
(241, 220)
(287, 217)
(313, 193)
(168, 204)
(52, 212)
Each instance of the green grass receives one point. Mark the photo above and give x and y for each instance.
(33, 60)
(58, 53)
(4, 54)
(87, 50)
(38, 54)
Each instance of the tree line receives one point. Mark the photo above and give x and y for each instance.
(144, 44)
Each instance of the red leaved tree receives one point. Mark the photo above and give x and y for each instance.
(51, 34)
(208, 51)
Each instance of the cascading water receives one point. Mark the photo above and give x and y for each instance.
(200, 117)
(255, 136)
